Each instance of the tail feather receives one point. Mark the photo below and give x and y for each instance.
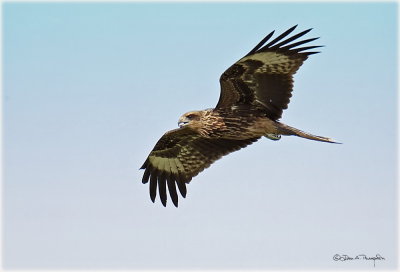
(288, 130)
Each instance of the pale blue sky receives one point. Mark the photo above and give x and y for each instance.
(89, 88)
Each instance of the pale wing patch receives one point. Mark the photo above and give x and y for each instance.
(273, 63)
(164, 165)
(159, 163)
(172, 166)
(179, 165)
(155, 161)
(167, 164)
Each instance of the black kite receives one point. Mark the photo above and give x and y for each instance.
(254, 92)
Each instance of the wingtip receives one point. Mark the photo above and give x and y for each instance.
(291, 29)
(174, 199)
(307, 31)
(144, 165)
(312, 53)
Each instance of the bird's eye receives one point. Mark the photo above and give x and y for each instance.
(190, 116)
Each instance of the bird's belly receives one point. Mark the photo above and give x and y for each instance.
(246, 129)
(263, 126)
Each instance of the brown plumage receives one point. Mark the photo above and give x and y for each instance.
(254, 92)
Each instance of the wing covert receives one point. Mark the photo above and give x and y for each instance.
(263, 79)
(180, 155)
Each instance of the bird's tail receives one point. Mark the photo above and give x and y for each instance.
(288, 130)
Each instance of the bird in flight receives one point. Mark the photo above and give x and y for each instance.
(254, 92)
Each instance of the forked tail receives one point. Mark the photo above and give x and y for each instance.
(288, 130)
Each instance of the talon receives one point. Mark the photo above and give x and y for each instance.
(273, 137)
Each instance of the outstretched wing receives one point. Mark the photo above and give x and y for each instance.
(180, 155)
(263, 79)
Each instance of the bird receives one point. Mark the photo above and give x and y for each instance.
(254, 92)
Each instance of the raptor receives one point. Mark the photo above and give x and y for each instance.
(254, 92)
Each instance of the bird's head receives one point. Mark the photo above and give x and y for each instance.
(190, 118)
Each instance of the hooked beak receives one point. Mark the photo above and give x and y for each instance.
(182, 124)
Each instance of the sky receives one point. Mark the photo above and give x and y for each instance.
(88, 89)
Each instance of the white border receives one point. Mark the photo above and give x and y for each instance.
(191, 1)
